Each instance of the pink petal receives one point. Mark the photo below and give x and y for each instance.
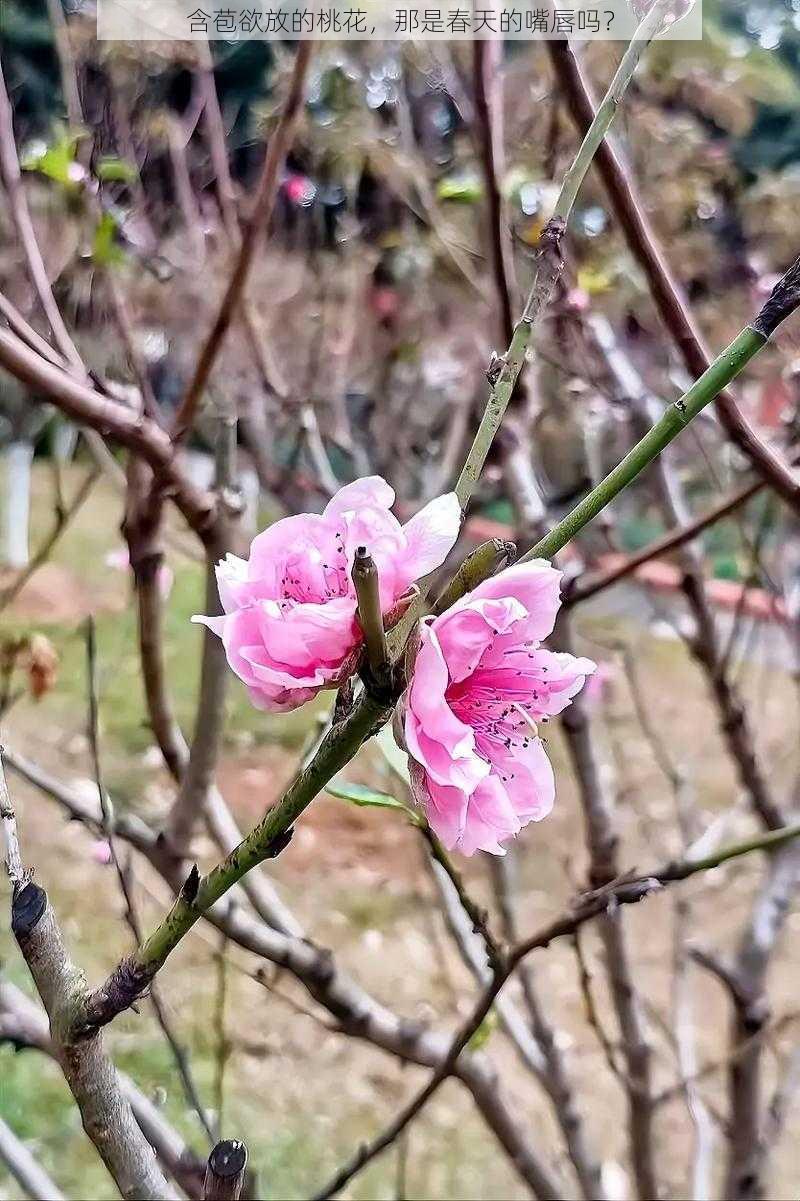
(300, 635)
(536, 585)
(435, 737)
(232, 582)
(430, 536)
(527, 776)
(370, 492)
(466, 632)
(491, 819)
(291, 536)
(445, 808)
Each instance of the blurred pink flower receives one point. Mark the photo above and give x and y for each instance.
(598, 686)
(100, 851)
(481, 682)
(579, 300)
(120, 561)
(289, 626)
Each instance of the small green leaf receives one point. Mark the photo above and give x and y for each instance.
(57, 160)
(105, 250)
(484, 1032)
(462, 189)
(359, 794)
(115, 170)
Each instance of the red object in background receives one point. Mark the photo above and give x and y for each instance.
(385, 302)
(775, 401)
(299, 189)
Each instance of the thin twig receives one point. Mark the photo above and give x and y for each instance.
(28, 1173)
(124, 878)
(63, 517)
(252, 231)
(602, 901)
(671, 305)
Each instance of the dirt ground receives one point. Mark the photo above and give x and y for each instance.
(301, 1095)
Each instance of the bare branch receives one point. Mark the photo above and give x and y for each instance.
(29, 1175)
(139, 434)
(258, 221)
(25, 1025)
(671, 305)
(92, 1078)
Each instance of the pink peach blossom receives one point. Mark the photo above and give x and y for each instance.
(481, 682)
(289, 626)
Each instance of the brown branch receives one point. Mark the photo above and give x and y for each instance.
(197, 779)
(106, 1114)
(704, 645)
(602, 843)
(24, 1025)
(583, 590)
(667, 296)
(139, 434)
(253, 229)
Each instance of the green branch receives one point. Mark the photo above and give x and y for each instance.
(133, 975)
(724, 369)
(549, 263)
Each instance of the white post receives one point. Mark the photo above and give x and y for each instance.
(17, 459)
